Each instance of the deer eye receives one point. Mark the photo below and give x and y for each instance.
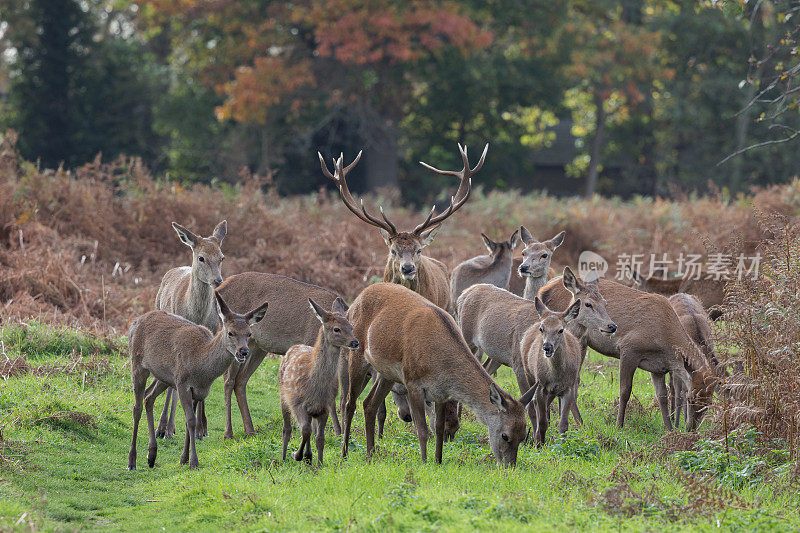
(249, 335)
(419, 252)
(544, 256)
(505, 437)
(337, 330)
(588, 305)
(230, 334)
(561, 331)
(394, 252)
(541, 329)
(201, 259)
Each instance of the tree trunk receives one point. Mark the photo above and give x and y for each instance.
(381, 158)
(594, 154)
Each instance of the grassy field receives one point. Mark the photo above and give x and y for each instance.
(64, 470)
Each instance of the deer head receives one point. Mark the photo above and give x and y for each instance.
(405, 247)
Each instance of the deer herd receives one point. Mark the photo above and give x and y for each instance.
(420, 335)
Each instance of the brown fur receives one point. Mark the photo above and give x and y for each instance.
(289, 321)
(408, 340)
(710, 292)
(649, 336)
(555, 372)
(307, 379)
(698, 325)
(516, 284)
(189, 292)
(493, 268)
(536, 258)
(186, 356)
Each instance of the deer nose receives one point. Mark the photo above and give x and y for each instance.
(548, 348)
(612, 328)
(407, 269)
(354, 345)
(244, 352)
(524, 268)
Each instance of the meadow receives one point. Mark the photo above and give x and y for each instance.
(65, 415)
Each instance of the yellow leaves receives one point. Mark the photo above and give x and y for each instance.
(536, 123)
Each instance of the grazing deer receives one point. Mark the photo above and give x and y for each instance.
(186, 356)
(494, 268)
(408, 340)
(710, 292)
(405, 264)
(289, 321)
(188, 292)
(704, 381)
(536, 257)
(495, 321)
(649, 336)
(308, 382)
(552, 358)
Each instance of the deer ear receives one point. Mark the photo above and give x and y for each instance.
(222, 308)
(572, 311)
(255, 316)
(496, 397)
(339, 306)
(513, 241)
(386, 236)
(187, 237)
(428, 236)
(488, 243)
(556, 241)
(540, 307)
(318, 310)
(571, 281)
(220, 231)
(526, 398)
(526, 236)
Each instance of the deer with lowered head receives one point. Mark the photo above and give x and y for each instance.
(405, 264)
(307, 379)
(649, 336)
(288, 321)
(552, 359)
(186, 356)
(408, 340)
(495, 321)
(188, 292)
(704, 377)
(493, 268)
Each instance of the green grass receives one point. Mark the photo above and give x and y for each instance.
(71, 475)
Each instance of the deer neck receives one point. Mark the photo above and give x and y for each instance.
(201, 298)
(326, 359)
(532, 285)
(390, 275)
(474, 393)
(215, 360)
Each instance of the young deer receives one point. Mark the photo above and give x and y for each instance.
(704, 381)
(289, 321)
(405, 264)
(494, 268)
(535, 264)
(495, 321)
(408, 340)
(184, 355)
(307, 379)
(649, 336)
(189, 292)
(552, 359)
(710, 292)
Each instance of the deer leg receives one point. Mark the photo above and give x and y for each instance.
(376, 397)
(229, 381)
(187, 402)
(381, 415)
(356, 372)
(305, 433)
(139, 386)
(416, 401)
(542, 421)
(156, 388)
(576, 413)
(319, 435)
(626, 371)
(344, 383)
(566, 405)
(287, 428)
(493, 365)
(201, 420)
(439, 408)
(163, 423)
(661, 394)
(524, 384)
(337, 428)
(240, 389)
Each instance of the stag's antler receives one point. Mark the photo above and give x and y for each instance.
(464, 189)
(338, 178)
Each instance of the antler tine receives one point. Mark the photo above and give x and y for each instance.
(385, 218)
(338, 178)
(464, 188)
